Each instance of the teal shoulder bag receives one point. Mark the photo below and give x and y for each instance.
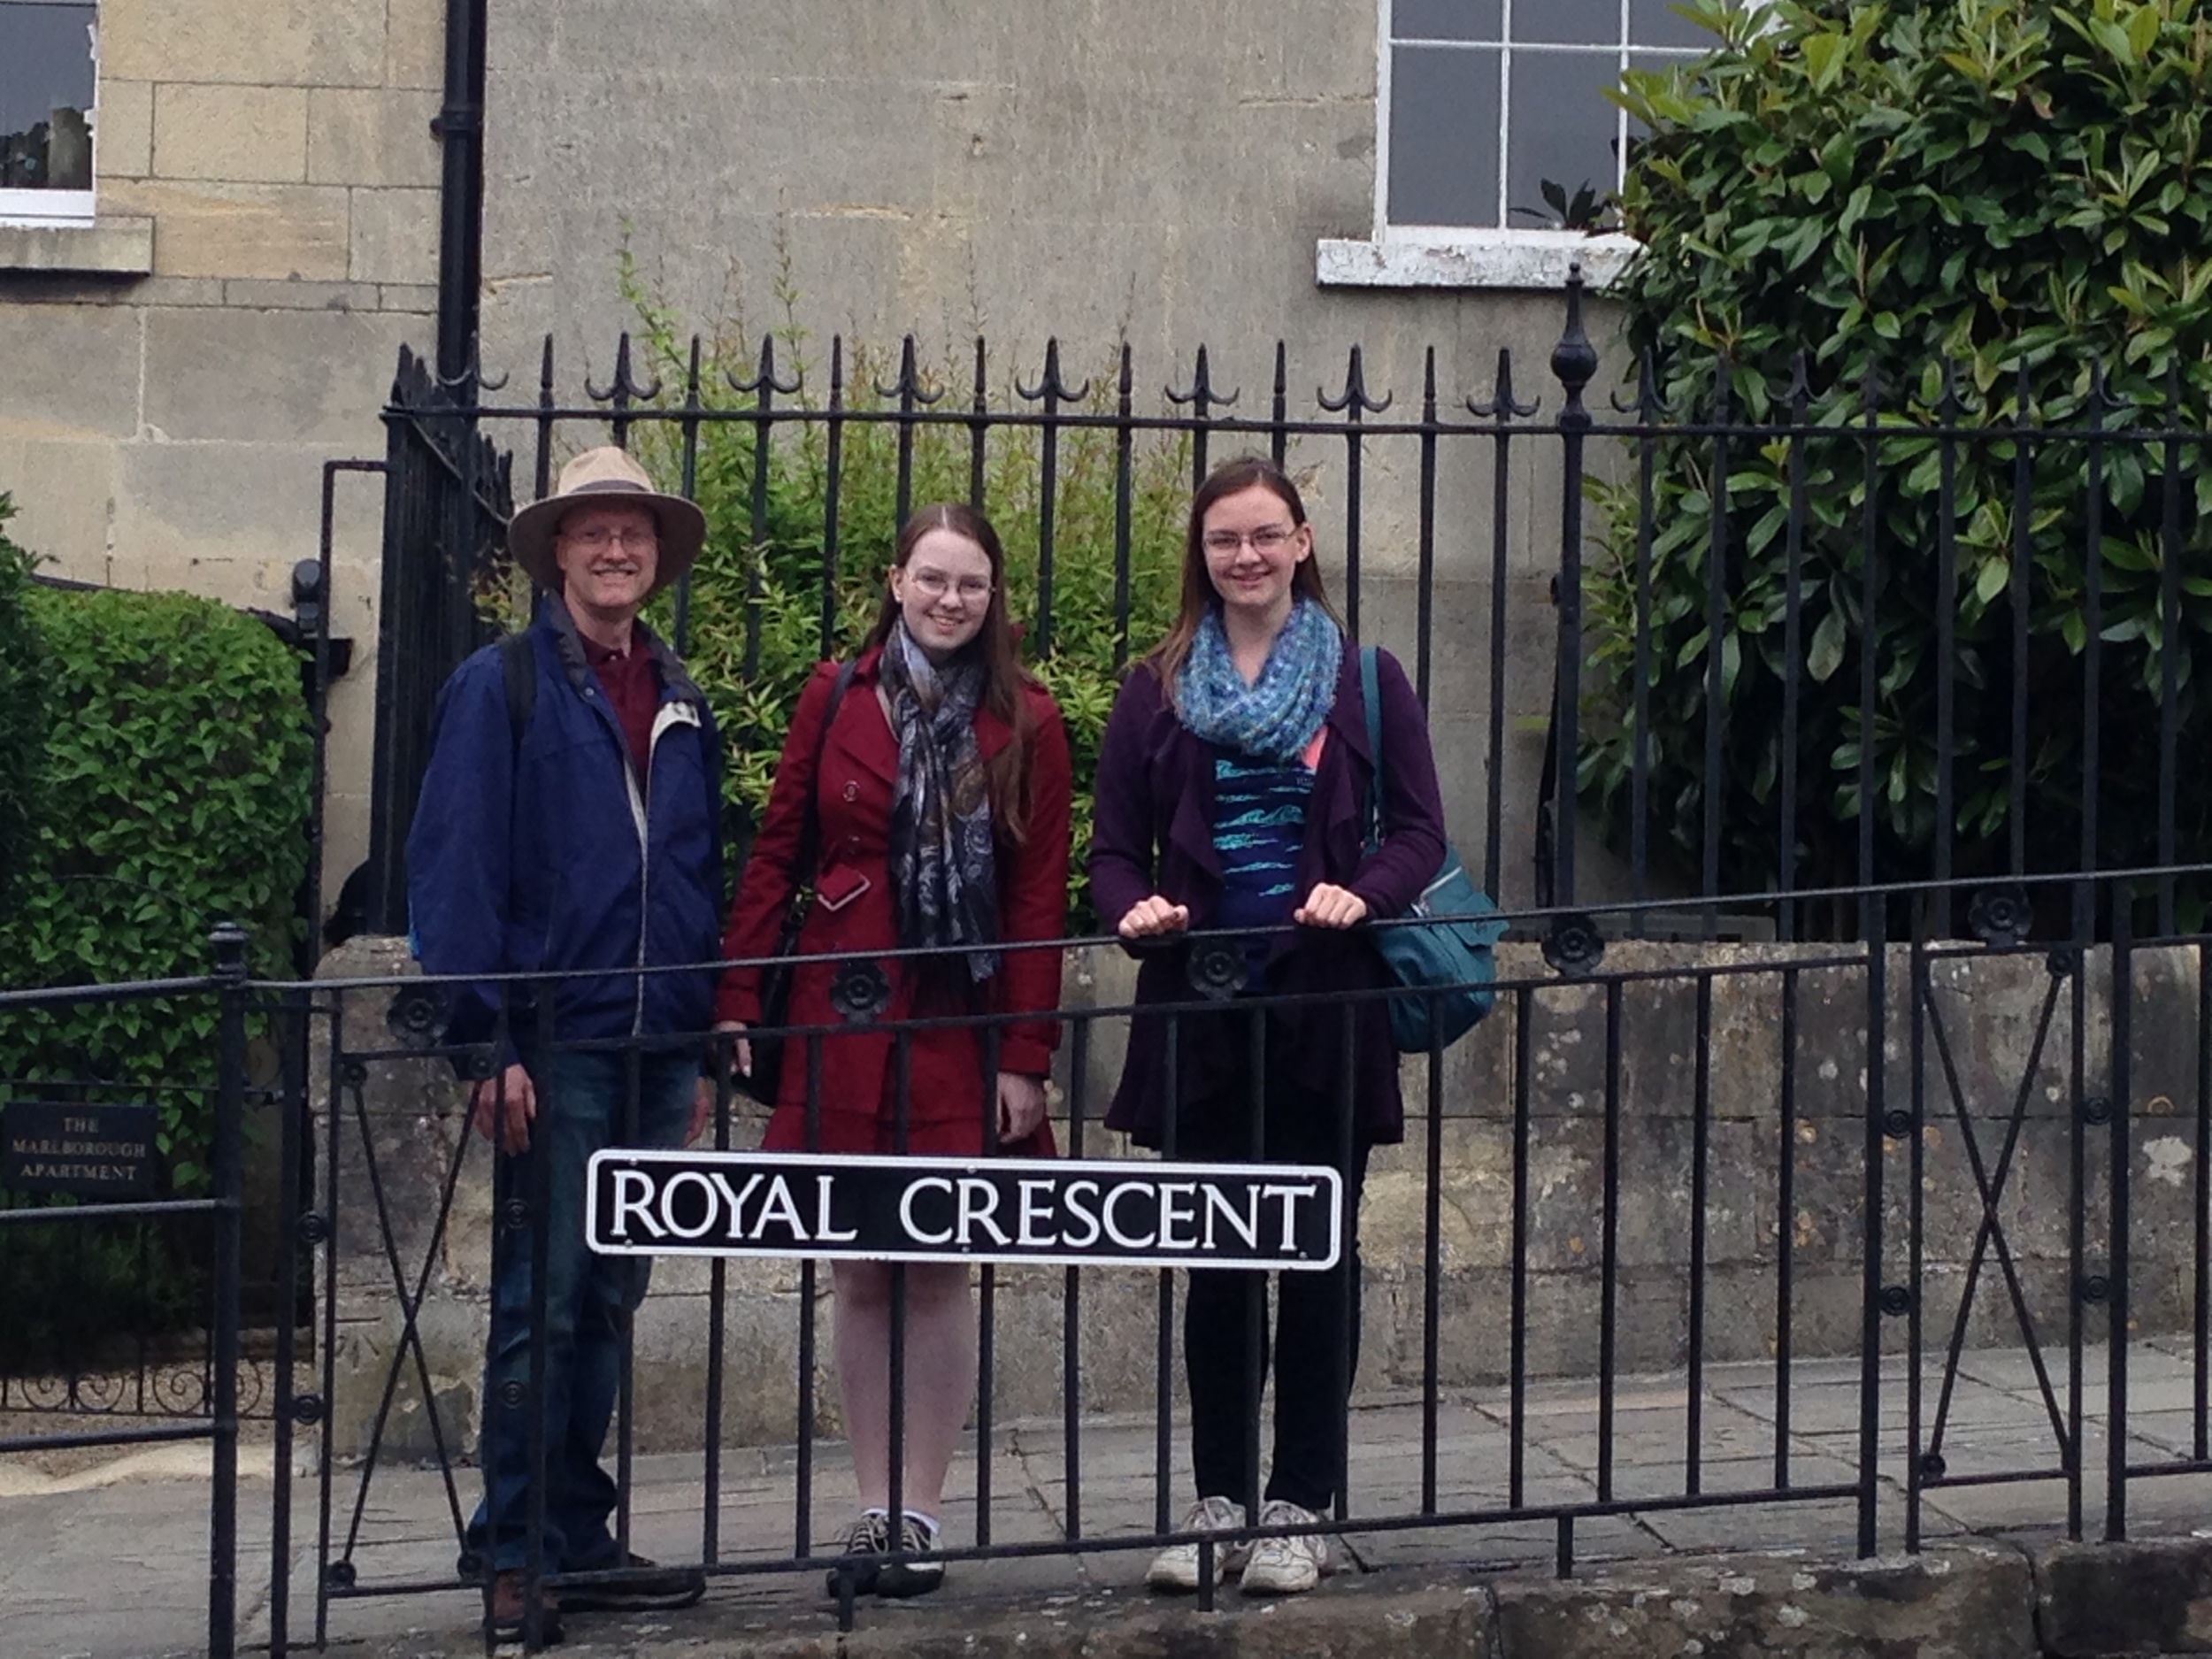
(1443, 947)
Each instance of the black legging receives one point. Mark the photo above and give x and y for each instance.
(1314, 1363)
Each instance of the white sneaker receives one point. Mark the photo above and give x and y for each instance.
(1175, 1567)
(1286, 1566)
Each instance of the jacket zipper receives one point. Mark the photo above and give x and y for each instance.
(640, 801)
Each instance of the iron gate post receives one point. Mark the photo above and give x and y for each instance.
(1574, 362)
(227, 945)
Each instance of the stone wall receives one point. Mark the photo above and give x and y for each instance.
(268, 201)
(179, 370)
(1988, 1008)
(1153, 170)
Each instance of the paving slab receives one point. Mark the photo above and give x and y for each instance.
(67, 1542)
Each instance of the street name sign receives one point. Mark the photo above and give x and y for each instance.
(1117, 1212)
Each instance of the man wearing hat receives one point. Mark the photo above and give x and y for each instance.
(570, 824)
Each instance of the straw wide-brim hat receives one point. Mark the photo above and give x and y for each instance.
(597, 478)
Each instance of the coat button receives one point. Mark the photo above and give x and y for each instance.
(852, 791)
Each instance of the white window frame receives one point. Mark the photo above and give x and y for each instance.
(63, 209)
(1502, 256)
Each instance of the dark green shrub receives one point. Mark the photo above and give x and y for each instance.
(22, 715)
(787, 561)
(81, 1296)
(1997, 182)
(178, 767)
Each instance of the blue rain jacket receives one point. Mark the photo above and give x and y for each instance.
(553, 854)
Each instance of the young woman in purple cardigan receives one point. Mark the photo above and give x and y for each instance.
(1232, 789)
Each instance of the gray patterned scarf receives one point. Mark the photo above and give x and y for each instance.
(942, 875)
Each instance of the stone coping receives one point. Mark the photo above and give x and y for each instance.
(1993, 1598)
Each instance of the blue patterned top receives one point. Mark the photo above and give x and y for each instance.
(1259, 825)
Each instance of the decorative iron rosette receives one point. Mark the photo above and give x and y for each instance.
(2000, 915)
(861, 991)
(416, 1016)
(1573, 946)
(1218, 968)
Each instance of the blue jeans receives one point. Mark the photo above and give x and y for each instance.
(588, 1301)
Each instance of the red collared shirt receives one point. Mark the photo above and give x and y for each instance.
(634, 691)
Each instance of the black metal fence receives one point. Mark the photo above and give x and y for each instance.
(1988, 775)
(206, 1397)
(1793, 1173)
(113, 1321)
(2025, 544)
(447, 499)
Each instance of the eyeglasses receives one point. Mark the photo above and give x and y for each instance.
(599, 539)
(970, 590)
(1267, 539)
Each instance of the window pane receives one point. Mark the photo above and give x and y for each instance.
(45, 96)
(1657, 23)
(1576, 22)
(1447, 19)
(1563, 130)
(1443, 137)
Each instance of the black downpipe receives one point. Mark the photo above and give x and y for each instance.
(459, 127)
(431, 516)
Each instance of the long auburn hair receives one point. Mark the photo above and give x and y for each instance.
(1231, 478)
(1005, 677)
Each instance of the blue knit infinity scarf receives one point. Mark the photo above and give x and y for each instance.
(1275, 718)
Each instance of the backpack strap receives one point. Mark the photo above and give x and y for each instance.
(518, 668)
(1370, 694)
(802, 870)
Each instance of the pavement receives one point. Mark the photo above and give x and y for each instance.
(109, 1560)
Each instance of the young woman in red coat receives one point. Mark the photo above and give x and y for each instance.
(942, 806)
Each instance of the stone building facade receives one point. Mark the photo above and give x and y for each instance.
(264, 225)
(181, 362)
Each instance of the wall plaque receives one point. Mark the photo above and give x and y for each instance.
(101, 1152)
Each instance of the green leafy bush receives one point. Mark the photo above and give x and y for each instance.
(786, 562)
(22, 715)
(178, 763)
(2005, 184)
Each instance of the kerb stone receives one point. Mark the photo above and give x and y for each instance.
(1382, 1620)
(1966, 1602)
(2094, 1600)
(1388, 1616)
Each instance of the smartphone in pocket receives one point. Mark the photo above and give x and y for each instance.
(838, 887)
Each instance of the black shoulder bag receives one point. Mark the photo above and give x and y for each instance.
(775, 981)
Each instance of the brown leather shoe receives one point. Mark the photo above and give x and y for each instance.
(507, 1611)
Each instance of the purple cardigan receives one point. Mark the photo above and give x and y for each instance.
(1154, 833)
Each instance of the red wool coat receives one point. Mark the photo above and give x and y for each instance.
(859, 770)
